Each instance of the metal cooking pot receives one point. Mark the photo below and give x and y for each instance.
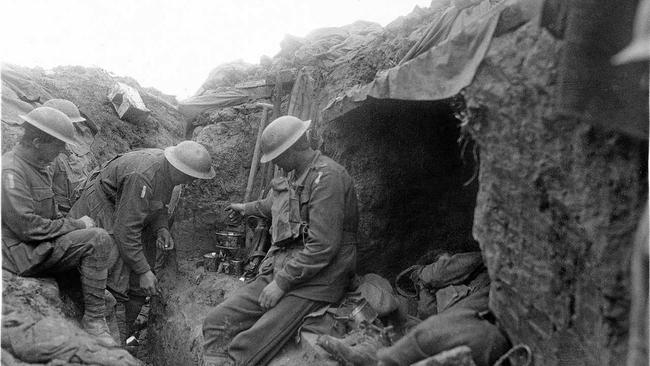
(230, 239)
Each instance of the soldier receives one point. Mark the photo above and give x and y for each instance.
(36, 239)
(310, 264)
(127, 195)
(71, 168)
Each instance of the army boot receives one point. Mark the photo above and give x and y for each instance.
(98, 329)
(93, 286)
(352, 351)
(111, 319)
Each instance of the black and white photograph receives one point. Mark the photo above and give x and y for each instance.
(324, 183)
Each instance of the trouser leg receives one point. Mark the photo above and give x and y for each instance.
(133, 307)
(120, 320)
(119, 273)
(88, 250)
(111, 318)
(264, 340)
(118, 284)
(449, 329)
(237, 312)
(257, 334)
(137, 296)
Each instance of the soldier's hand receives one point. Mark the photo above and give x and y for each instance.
(149, 283)
(164, 240)
(88, 221)
(270, 295)
(235, 212)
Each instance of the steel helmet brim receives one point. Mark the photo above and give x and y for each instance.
(67, 107)
(49, 130)
(287, 144)
(184, 168)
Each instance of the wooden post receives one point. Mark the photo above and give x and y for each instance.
(256, 151)
(277, 105)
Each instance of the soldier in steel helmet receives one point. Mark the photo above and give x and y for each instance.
(312, 258)
(72, 167)
(128, 195)
(36, 239)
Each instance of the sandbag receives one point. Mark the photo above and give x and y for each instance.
(450, 270)
(379, 293)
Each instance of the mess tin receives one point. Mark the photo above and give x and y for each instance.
(230, 239)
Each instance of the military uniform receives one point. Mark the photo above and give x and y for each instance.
(312, 259)
(68, 172)
(126, 195)
(460, 321)
(37, 240)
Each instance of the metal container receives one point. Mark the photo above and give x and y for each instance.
(230, 239)
(363, 313)
(237, 267)
(210, 262)
(231, 267)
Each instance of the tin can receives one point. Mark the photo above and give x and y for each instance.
(231, 267)
(236, 267)
(210, 262)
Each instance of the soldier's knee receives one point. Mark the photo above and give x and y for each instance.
(215, 321)
(101, 241)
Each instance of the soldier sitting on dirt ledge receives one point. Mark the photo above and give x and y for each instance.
(36, 239)
(312, 259)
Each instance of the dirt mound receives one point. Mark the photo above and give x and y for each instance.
(230, 74)
(88, 89)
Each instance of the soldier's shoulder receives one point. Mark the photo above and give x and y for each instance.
(325, 163)
(9, 160)
(144, 153)
(145, 159)
(329, 166)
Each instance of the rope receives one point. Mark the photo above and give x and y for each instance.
(399, 277)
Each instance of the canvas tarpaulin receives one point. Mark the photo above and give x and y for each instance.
(459, 40)
(211, 99)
